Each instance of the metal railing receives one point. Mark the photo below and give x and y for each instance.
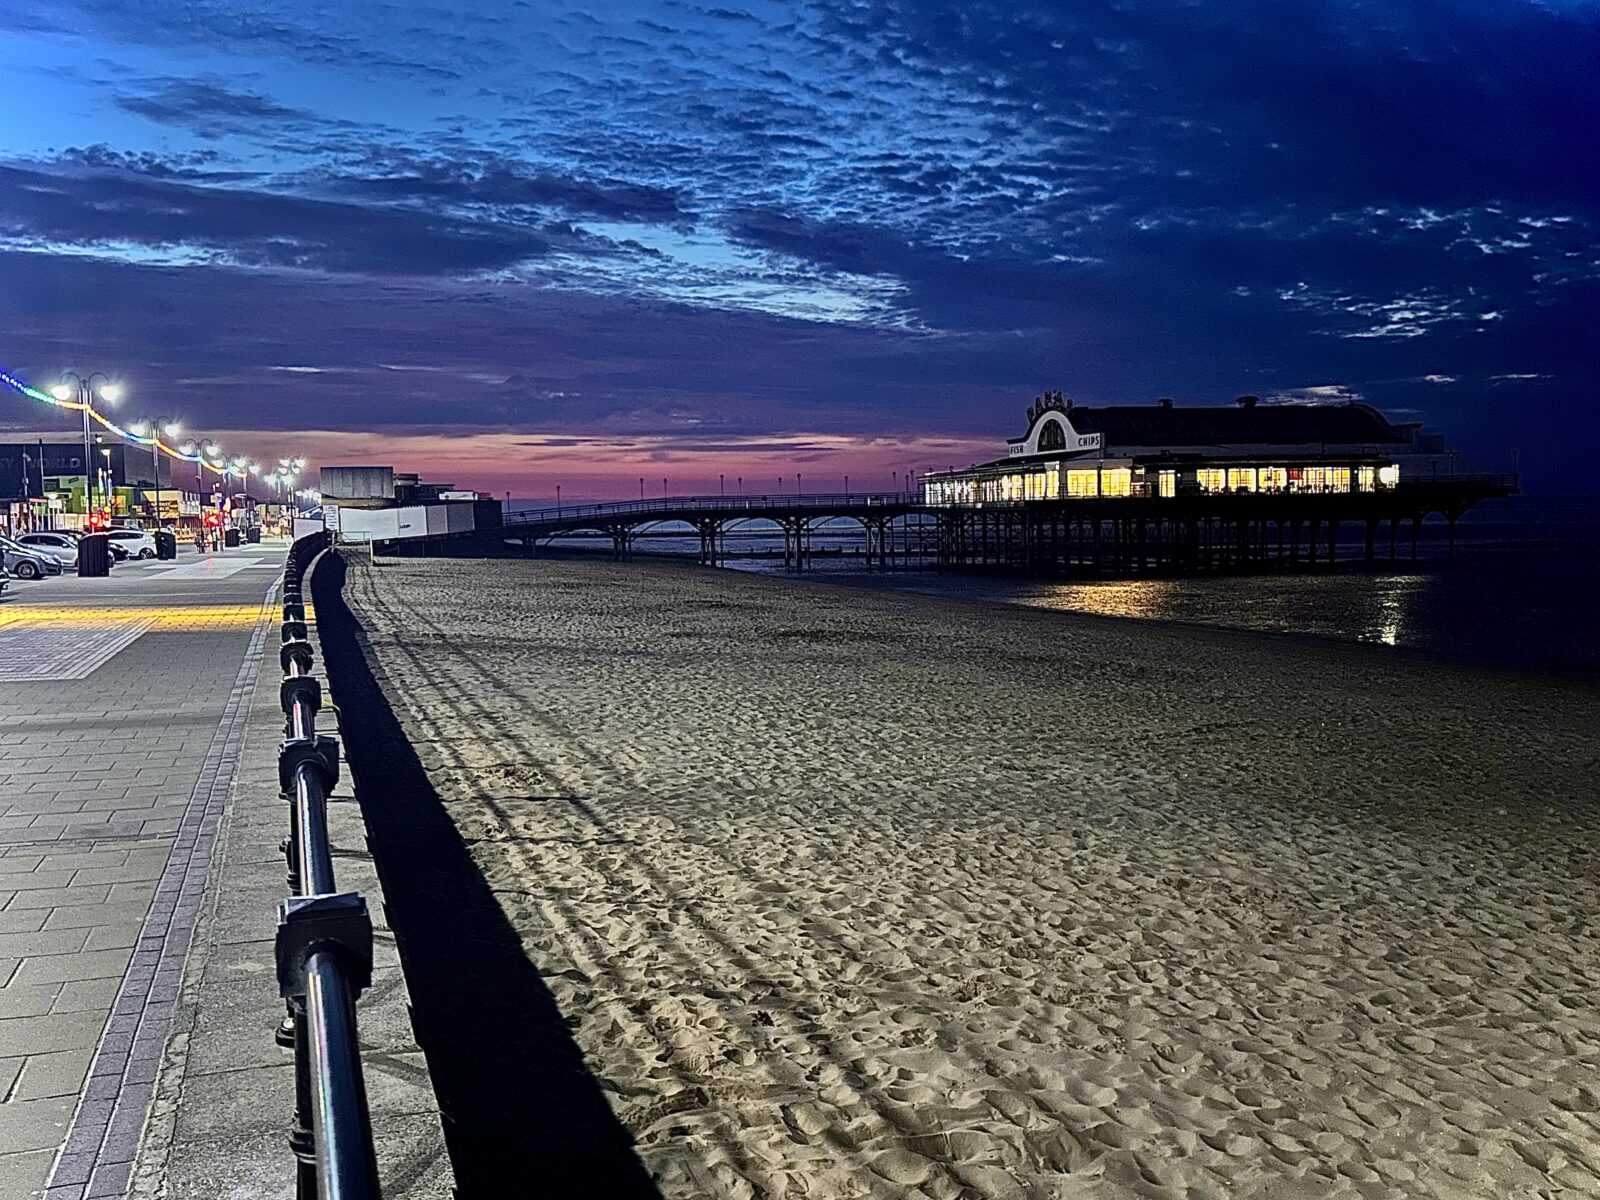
(792, 502)
(324, 942)
(720, 504)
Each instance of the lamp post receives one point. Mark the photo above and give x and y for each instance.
(85, 390)
(105, 478)
(155, 427)
(210, 456)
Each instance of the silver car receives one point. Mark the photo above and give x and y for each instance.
(60, 546)
(26, 562)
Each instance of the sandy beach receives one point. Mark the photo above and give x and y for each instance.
(848, 894)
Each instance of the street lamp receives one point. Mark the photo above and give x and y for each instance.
(190, 450)
(85, 390)
(154, 428)
(105, 479)
(210, 456)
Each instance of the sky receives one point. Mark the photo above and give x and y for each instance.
(515, 245)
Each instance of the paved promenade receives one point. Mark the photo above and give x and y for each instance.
(124, 703)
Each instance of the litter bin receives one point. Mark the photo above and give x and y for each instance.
(94, 554)
(253, 534)
(166, 544)
(230, 536)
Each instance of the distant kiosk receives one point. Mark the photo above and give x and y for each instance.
(377, 504)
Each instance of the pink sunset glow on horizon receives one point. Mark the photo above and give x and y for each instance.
(610, 468)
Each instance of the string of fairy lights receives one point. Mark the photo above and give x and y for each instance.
(205, 454)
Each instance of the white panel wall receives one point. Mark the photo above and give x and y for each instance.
(387, 524)
(369, 524)
(411, 522)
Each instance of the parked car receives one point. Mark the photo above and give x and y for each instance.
(27, 562)
(59, 545)
(137, 542)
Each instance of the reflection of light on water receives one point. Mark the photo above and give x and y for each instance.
(1389, 617)
(1396, 598)
(1149, 598)
(1380, 609)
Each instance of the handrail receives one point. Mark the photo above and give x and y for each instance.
(562, 514)
(626, 508)
(324, 943)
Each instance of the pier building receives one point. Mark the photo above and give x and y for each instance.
(1161, 450)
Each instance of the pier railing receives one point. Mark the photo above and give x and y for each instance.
(679, 507)
(712, 504)
(324, 942)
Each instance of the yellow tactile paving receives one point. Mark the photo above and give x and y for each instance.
(167, 616)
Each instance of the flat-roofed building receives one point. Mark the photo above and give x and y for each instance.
(1161, 450)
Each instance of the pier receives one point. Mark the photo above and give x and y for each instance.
(1134, 534)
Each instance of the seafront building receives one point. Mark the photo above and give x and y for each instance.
(1160, 450)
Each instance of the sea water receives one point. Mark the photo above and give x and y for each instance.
(1523, 589)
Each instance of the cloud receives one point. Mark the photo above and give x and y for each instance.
(53, 209)
(1322, 393)
(481, 181)
(210, 109)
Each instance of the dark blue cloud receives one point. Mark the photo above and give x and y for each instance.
(83, 210)
(497, 182)
(210, 108)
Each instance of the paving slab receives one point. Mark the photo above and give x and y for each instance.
(124, 699)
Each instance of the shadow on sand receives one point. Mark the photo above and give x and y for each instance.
(522, 1113)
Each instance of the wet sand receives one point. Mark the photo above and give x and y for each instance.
(847, 894)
